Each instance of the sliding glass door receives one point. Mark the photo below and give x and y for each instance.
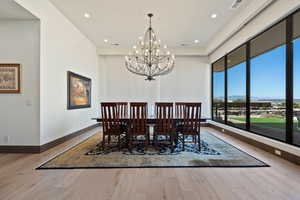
(268, 91)
(296, 77)
(219, 91)
(236, 84)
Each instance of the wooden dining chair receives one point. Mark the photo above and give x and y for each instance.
(191, 123)
(179, 111)
(164, 124)
(138, 124)
(122, 108)
(111, 124)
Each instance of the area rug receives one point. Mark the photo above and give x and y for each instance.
(214, 153)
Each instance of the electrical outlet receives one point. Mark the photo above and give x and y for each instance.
(6, 139)
(277, 152)
(223, 130)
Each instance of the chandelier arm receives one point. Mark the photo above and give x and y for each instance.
(141, 74)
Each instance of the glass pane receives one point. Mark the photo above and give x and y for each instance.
(219, 90)
(296, 131)
(268, 94)
(236, 80)
(271, 39)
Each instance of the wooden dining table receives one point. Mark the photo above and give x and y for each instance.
(150, 120)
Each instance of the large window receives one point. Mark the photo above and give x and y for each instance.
(296, 64)
(262, 83)
(268, 64)
(236, 83)
(219, 90)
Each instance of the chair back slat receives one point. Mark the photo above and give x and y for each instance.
(179, 109)
(122, 109)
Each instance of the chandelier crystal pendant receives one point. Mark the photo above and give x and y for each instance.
(148, 58)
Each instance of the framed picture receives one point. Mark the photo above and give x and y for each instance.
(79, 91)
(10, 78)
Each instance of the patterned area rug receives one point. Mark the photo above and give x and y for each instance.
(214, 153)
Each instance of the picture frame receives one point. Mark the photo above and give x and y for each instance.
(10, 78)
(79, 91)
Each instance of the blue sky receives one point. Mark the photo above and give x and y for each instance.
(267, 76)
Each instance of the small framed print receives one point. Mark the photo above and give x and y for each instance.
(10, 78)
(79, 91)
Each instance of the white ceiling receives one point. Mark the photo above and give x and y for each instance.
(175, 21)
(11, 10)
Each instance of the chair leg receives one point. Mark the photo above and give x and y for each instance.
(172, 142)
(199, 142)
(119, 142)
(183, 142)
(155, 141)
(130, 143)
(103, 142)
(176, 138)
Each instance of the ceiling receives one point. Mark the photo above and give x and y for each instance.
(176, 22)
(11, 10)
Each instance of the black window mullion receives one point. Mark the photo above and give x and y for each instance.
(289, 80)
(226, 90)
(248, 85)
(212, 92)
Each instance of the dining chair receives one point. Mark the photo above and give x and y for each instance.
(122, 108)
(191, 123)
(164, 124)
(138, 124)
(179, 111)
(111, 124)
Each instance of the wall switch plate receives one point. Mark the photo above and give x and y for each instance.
(223, 130)
(6, 139)
(277, 152)
(28, 103)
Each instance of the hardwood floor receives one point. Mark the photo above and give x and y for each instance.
(20, 180)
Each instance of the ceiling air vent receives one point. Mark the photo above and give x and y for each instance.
(236, 4)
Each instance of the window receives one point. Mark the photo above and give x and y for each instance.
(236, 86)
(267, 66)
(296, 64)
(260, 89)
(219, 90)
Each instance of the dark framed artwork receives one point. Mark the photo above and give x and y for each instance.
(79, 91)
(10, 78)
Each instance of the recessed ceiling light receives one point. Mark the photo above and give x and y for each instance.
(87, 15)
(105, 40)
(196, 41)
(213, 16)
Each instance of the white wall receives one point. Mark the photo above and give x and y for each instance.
(63, 48)
(269, 16)
(19, 113)
(189, 81)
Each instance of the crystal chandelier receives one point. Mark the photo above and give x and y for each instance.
(148, 58)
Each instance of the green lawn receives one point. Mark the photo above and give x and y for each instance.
(273, 122)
